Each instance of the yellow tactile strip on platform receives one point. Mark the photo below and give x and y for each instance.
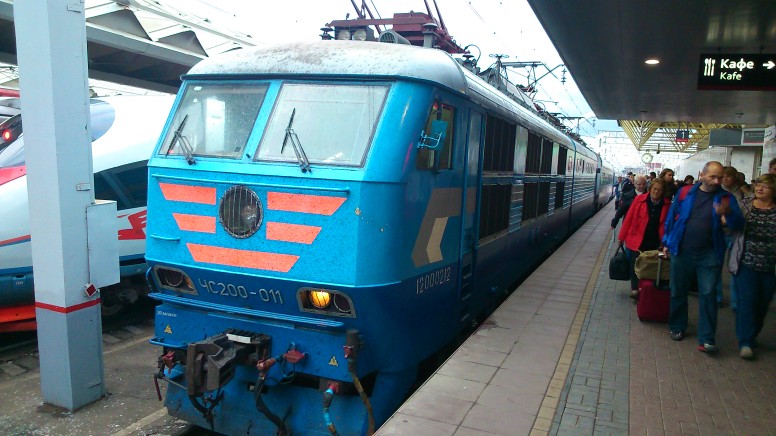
(549, 406)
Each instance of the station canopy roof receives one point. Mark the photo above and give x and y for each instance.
(140, 43)
(605, 43)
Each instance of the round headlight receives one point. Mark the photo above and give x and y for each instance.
(170, 277)
(320, 299)
(240, 212)
(342, 303)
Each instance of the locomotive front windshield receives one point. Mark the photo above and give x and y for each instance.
(214, 120)
(331, 124)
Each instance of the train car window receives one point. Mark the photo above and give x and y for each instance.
(332, 124)
(530, 200)
(562, 156)
(546, 163)
(500, 142)
(511, 141)
(127, 185)
(560, 191)
(214, 120)
(521, 145)
(443, 115)
(487, 153)
(104, 189)
(543, 198)
(494, 209)
(133, 180)
(533, 157)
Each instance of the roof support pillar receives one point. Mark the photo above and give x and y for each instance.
(51, 43)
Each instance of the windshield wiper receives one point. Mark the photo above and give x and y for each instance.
(301, 156)
(188, 151)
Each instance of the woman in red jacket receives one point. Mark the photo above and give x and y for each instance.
(642, 229)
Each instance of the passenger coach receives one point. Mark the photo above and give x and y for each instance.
(324, 216)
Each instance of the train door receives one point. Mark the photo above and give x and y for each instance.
(470, 205)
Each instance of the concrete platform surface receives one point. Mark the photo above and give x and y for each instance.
(130, 406)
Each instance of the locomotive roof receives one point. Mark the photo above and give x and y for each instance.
(365, 58)
(339, 58)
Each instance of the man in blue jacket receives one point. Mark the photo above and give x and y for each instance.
(693, 234)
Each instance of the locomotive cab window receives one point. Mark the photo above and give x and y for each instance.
(330, 124)
(214, 120)
(435, 150)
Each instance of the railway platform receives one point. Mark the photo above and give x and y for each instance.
(130, 406)
(564, 354)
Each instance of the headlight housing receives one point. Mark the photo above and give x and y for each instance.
(325, 302)
(240, 212)
(174, 280)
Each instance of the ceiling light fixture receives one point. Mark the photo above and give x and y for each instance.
(652, 61)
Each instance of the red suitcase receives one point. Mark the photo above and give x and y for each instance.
(654, 299)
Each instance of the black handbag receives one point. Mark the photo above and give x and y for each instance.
(619, 265)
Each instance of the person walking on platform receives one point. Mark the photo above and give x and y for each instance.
(617, 186)
(642, 228)
(753, 263)
(639, 187)
(668, 176)
(731, 184)
(693, 236)
(688, 180)
(626, 186)
(772, 166)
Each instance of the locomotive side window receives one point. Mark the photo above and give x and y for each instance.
(331, 124)
(543, 198)
(563, 164)
(546, 165)
(500, 139)
(533, 156)
(521, 149)
(441, 120)
(562, 155)
(560, 192)
(214, 120)
(530, 201)
(494, 209)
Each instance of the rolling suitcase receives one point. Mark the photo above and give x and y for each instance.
(654, 298)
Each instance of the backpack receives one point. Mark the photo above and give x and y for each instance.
(626, 198)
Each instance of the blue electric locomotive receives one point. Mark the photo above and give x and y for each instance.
(323, 216)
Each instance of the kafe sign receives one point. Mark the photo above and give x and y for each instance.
(737, 72)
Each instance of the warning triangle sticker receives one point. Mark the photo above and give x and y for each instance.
(333, 361)
(168, 329)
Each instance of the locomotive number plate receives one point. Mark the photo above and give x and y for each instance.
(436, 278)
(239, 291)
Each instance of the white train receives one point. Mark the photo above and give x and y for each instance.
(125, 130)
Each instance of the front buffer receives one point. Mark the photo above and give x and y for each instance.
(261, 378)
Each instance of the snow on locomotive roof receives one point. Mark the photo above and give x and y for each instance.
(340, 58)
(364, 58)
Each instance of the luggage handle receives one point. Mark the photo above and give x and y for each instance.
(660, 258)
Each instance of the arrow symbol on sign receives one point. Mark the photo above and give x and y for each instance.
(769, 65)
